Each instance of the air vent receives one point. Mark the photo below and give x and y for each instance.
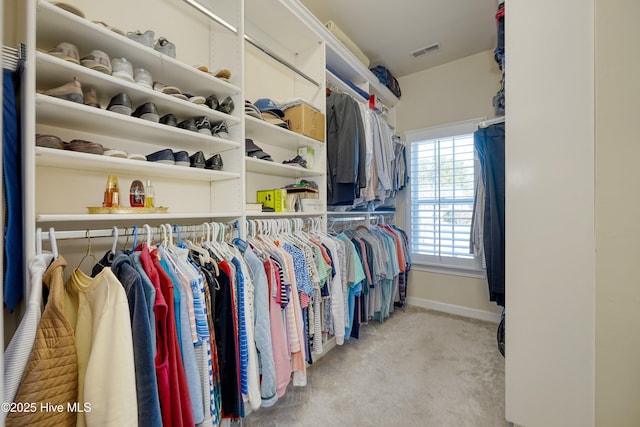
(427, 49)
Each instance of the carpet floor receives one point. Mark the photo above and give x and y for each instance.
(418, 368)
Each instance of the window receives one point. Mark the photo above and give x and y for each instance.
(442, 195)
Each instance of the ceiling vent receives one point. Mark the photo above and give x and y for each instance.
(424, 50)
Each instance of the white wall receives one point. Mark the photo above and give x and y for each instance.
(550, 242)
(617, 212)
(453, 92)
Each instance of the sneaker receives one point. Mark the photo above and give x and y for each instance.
(163, 156)
(71, 91)
(214, 162)
(226, 106)
(123, 69)
(181, 158)
(220, 130)
(91, 98)
(169, 120)
(143, 77)
(66, 51)
(121, 103)
(188, 124)
(197, 160)
(296, 161)
(212, 102)
(145, 38)
(136, 156)
(52, 141)
(169, 90)
(97, 60)
(147, 111)
(203, 125)
(165, 46)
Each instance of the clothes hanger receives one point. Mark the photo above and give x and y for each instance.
(149, 241)
(135, 238)
(89, 252)
(52, 241)
(114, 246)
(38, 241)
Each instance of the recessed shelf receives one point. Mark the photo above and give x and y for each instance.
(61, 113)
(278, 169)
(261, 131)
(93, 162)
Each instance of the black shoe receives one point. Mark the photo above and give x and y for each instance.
(188, 124)
(121, 103)
(147, 111)
(226, 106)
(169, 120)
(203, 125)
(212, 102)
(197, 160)
(214, 162)
(181, 158)
(296, 161)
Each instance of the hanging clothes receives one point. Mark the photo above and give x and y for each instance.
(489, 143)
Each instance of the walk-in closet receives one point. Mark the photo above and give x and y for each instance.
(306, 213)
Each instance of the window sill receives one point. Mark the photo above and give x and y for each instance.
(449, 270)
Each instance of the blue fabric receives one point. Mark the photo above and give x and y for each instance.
(262, 329)
(186, 346)
(12, 170)
(146, 382)
(242, 330)
(149, 295)
(348, 82)
(301, 269)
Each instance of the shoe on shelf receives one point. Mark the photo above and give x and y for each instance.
(214, 162)
(66, 51)
(70, 91)
(203, 125)
(69, 8)
(123, 69)
(109, 27)
(91, 98)
(296, 161)
(226, 106)
(197, 160)
(115, 153)
(195, 99)
(164, 156)
(188, 124)
(180, 96)
(181, 158)
(82, 146)
(169, 120)
(220, 130)
(169, 90)
(136, 156)
(223, 74)
(121, 103)
(212, 102)
(143, 77)
(52, 141)
(97, 60)
(147, 111)
(165, 46)
(145, 38)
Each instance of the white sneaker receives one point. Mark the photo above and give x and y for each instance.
(122, 69)
(143, 77)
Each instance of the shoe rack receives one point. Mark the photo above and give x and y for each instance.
(64, 183)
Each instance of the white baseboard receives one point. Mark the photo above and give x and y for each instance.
(458, 310)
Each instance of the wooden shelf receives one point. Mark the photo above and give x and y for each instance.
(278, 169)
(61, 113)
(112, 165)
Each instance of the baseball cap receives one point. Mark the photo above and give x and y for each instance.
(266, 104)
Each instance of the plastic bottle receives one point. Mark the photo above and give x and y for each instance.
(112, 193)
(136, 194)
(148, 195)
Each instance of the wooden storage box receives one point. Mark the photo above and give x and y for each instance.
(306, 121)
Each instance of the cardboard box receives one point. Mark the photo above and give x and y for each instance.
(306, 121)
(275, 199)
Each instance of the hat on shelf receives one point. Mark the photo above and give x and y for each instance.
(266, 104)
(271, 117)
(251, 109)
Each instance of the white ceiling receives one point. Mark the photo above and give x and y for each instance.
(387, 31)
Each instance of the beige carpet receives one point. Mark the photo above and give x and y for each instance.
(418, 368)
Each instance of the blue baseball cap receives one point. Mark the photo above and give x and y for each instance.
(266, 104)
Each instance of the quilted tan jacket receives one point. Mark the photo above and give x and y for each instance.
(51, 376)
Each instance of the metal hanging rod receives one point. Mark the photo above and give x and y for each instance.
(290, 66)
(199, 7)
(487, 123)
